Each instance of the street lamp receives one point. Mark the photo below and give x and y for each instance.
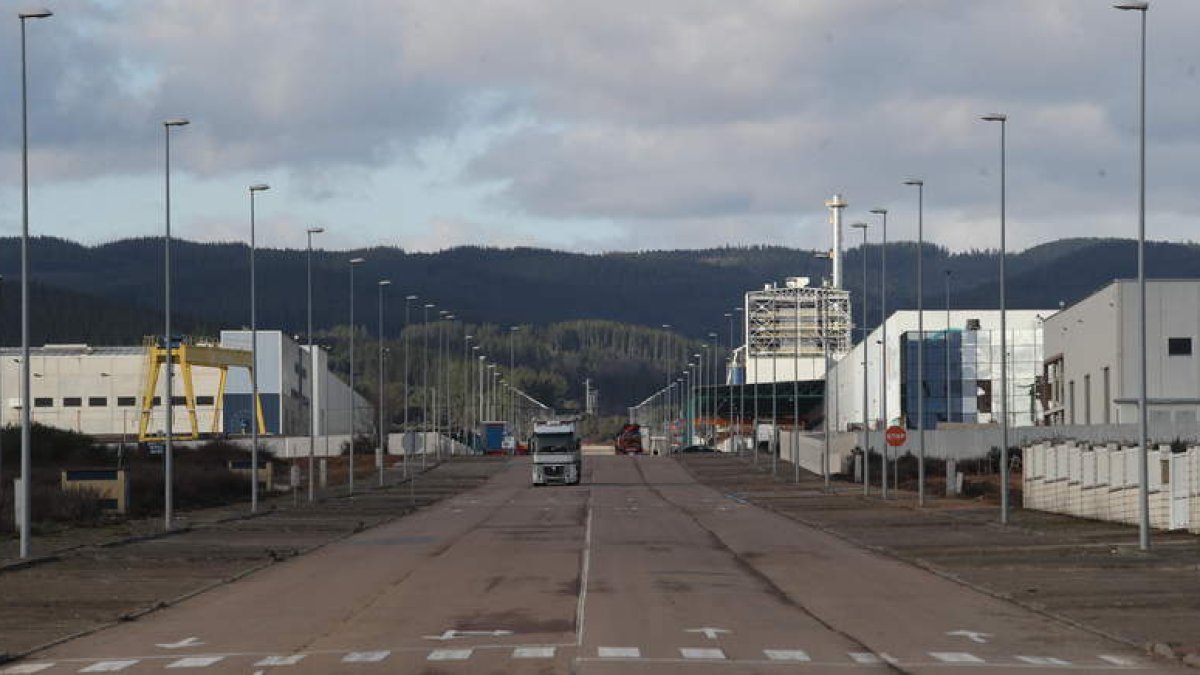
(826, 399)
(354, 262)
(1003, 120)
(1143, 431)
(425, 381)
(169, 451)
(866, 345)
(26, 423)
(883, 416)
(920, 185)
(512, 401)
(383, 283)
(407, 432)
(312, 381)
(254, 189)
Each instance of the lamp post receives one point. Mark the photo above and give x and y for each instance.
(257, 187)
(407, 432)
(745, 379)
(169, 450)
(866, 347)
(425, 381)
(512, 401)
(1003, 120)
(312, 380)
(920, 185)
(883, 416)
(26, 422)
(1143, 421)
(826, 398)
(466, 389)
(354, 262)
(383, 284)
(946, 346)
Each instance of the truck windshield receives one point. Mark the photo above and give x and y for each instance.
(552, 442)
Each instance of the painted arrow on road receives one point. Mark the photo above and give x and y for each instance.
(186, 642)
(710, 633)
(980, 638)
(452, 634)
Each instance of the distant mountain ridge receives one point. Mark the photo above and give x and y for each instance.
(113, 292)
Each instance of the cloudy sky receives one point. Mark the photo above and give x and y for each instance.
(599, 126)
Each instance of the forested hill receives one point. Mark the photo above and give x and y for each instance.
(113, 292)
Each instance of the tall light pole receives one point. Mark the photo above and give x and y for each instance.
(826, 399)
(169, 451)
(383, 432)
(729, 380)
(512, 401)
(425, 381)
(466, 388)
(1003, 120)
(312, 380)
(946, 345)
(745, 379)
(920, 185)
(354, 262)
(407, 432)
(667, 370)
(257, 187)
(1143, 420)
(883, 282)
(866, 345)
(794, 445)
(26, 422)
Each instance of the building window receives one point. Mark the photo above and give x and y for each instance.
(179, 400)
(204, 400)
(43, 403)
(97, 401)
(1071, 402)
(126, 401)
(157, 400)
(1179, 346)
(1087, 399)
(1107, 396)
(72, 402)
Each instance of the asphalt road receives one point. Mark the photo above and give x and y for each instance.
(638, 570)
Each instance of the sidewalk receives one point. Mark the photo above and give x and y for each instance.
(1084, 572)
(89, 578)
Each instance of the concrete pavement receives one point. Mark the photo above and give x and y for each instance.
(638, 570)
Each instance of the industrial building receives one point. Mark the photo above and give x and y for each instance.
(792, 329)
(1091, 364)
(962, 370)
(98, 390)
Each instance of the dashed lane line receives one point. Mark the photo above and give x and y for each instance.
(449, 655)
(195, 662)
(793, 655)
(109, 666)
(619, 652)
(289, 660)
(365, 657)
(710, 654)
(533, 653)
(956, 657)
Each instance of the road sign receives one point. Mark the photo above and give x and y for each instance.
(896, 436)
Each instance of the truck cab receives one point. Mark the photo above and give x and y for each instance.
(556, 450)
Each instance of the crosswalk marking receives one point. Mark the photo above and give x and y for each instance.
(365, 657)
(109, 666)
(864, 658)
(195, 662)
(449, 655)
(619, 652)
(701, 653)
(786, 655)
(956, 657)
(1043, 661)
(281, 660)
(26, 668)
(1118, 660)
(533, 653)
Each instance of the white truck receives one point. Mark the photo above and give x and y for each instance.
(556, 453)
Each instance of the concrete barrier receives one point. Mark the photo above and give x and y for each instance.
(110, 484)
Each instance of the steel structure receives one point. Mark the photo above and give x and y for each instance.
(793, 324)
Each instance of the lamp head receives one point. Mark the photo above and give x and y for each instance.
(1135, 6)
(315, 230)
(914, 181)
(860, 226)
(879, 211)
(357, 261)
(385, 282)
(38, 13)
(177, 122)
(259, 187)
(994, 117)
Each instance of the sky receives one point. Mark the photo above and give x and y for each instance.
(599, 126)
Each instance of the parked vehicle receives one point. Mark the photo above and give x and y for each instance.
(557, 456)
(493, 437)
(629, 440)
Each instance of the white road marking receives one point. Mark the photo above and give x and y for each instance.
(710, 633)
(365, 657)
(956, 657)
(109, 666)
(449, 655)
(865, 658)
(1118, 660)
(701, 653)
(1043, 661)
(973, 636)
(619, 652)
(533, 653)
(583, 575)
(195, 662)
(186, 642)
(787, 655)
(290, 660)
(452, 634)
(26, 668)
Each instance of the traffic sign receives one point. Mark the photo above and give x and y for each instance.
(896, 436)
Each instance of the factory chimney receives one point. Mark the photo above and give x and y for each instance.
(835, 207)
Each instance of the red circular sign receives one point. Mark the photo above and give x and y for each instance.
(896, 436)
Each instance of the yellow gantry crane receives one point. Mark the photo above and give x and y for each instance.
(186, 353)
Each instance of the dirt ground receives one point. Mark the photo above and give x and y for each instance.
(1085, 572)
(86, 578)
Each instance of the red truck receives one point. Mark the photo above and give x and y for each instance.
(629, 440)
